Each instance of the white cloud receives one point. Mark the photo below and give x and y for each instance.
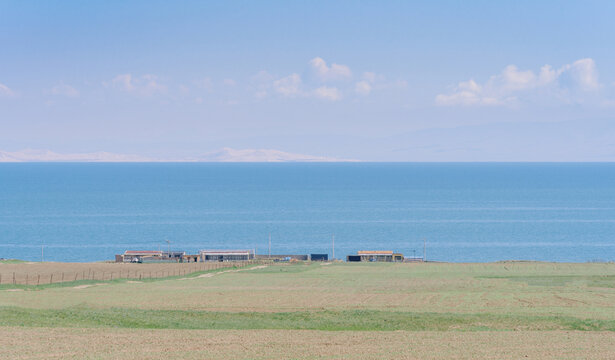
(291, 86)
(6, 91)
(264, 84)
(376, 82)
(547, 75)
(65, 90)
(329, 73)
(512, 84)
(288, 86)
(514, 79)
(363, 88)
(328, 93)
(123, 82)
(469, 93)
(145, 85)
(585, 73)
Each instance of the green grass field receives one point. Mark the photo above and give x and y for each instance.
(566, 303)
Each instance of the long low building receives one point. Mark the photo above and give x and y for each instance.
(138, 255)
(142, 256)
(226, 255)
(376, 255)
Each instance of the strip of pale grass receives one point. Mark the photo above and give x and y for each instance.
(607, 281)
(353, 320)
(12, 261)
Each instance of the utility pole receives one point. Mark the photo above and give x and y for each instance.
(168, 247)
(424, 249)
(333, 241)
(270, 245)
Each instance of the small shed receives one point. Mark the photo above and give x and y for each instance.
(191, 258)
(319, 257)
(398, 257)
(353, 258)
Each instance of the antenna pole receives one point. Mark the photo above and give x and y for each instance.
(333, 243)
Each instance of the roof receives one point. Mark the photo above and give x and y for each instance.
(375, 252)
(142, 252)
(226, 252)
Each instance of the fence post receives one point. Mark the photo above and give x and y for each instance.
(13, 278)
(38, 279)
(51, 278)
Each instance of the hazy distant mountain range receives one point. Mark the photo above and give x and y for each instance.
(262, 155)
(223, 155)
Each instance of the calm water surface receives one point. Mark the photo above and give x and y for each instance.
(466, 212)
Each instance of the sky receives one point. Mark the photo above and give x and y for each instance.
(365, 80)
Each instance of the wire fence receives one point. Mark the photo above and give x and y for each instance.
(55, 274)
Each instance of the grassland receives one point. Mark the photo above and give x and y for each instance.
(509, 309)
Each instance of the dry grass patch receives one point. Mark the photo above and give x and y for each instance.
(53, 343)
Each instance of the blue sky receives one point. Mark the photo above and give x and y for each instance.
(369, 80)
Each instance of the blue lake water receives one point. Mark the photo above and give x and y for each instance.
(466, 212)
